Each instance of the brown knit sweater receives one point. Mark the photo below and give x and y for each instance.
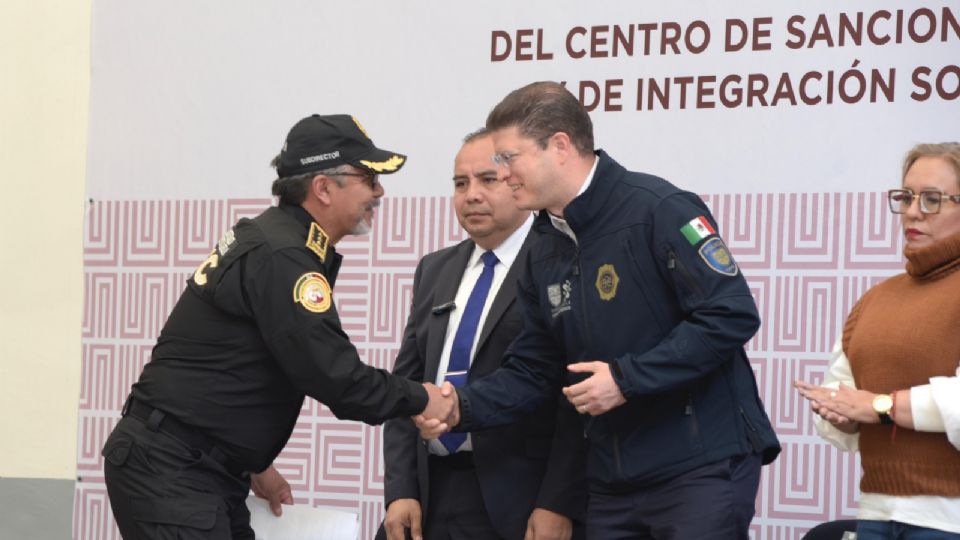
(900, 334)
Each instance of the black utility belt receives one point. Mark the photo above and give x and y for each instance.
(157, 420)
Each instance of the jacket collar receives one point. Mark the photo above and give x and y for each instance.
(579, 213)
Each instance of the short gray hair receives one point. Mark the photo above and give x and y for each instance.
(293, 190)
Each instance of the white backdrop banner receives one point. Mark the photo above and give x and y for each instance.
(193, 99)
(789, 118)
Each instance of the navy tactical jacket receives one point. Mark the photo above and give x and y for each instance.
(650, 288)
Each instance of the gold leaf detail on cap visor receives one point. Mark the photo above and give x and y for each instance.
(389, 165)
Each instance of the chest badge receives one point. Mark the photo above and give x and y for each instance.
(607, 281)
(312, 291)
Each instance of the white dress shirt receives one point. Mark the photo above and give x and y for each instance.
(506, 254)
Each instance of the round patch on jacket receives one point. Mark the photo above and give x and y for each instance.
(607, 281)
(714, 252)
(312, 291)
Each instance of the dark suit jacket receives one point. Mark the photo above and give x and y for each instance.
(536, 463)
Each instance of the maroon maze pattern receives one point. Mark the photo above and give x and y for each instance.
(808, 257)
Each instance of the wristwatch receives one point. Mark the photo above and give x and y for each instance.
(882, 405)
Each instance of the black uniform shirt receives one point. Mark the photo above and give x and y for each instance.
(255, 330)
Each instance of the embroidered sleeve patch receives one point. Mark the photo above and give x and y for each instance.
(714, 252)
(698, 229)
(312, 291)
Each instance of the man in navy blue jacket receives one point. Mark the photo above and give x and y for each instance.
(635, 307)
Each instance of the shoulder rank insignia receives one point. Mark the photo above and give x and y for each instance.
(607, 281)
(714, 252)
(697, 229)
(312, 291)
(318, 241)
(226, 242)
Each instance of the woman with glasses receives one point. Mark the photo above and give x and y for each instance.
(892, 390)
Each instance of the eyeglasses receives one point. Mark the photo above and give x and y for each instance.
(902, 199)
(504, 158)
(372, 180)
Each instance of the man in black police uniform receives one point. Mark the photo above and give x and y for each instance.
(633, 303)
(255, 330)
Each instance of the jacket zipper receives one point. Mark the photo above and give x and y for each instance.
(578, 273)
(616, 454)
(691, 412)
(583, 297)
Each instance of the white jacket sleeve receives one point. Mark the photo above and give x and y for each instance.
(838, 371)
(936, 407)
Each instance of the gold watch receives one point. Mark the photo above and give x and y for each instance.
(882, 404)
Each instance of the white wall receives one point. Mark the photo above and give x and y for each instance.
(44, 95)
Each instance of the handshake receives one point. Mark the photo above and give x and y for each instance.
(441, 413)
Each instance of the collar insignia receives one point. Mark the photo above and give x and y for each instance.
(318, 241)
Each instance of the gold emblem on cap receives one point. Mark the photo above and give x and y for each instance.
(360, 127)
(607, 281)
(312, 291)
(389, 165)
(318, 241)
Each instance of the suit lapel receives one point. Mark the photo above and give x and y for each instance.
(505, 296)
(448, 281)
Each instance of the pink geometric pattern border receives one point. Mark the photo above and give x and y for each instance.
(807, 257)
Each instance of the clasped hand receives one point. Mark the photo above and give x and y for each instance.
(598, 393)
(442, 411)
(844, 407)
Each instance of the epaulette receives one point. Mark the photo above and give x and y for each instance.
(318, 241)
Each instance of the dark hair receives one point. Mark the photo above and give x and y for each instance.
(293, 190)
(477, 134)
(541, 109)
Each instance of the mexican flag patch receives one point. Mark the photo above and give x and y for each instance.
(698, 229)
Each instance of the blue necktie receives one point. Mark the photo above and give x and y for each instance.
(459, 365)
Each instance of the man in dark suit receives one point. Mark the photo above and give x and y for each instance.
(524, 480)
